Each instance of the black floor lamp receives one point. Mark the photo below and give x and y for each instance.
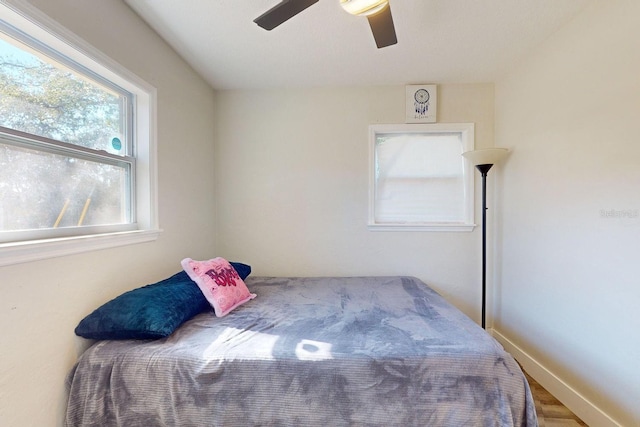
(483, 160)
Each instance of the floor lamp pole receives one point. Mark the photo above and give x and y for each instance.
(484, 169)
(483, 159)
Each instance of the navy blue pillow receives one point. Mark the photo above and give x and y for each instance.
(150, 312)
(243, 270)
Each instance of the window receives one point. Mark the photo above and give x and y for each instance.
(419, 179)
(77, 157)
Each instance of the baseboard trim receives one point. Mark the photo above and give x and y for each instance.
(578, 404)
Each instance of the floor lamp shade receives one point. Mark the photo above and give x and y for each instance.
(483, 160)
(486, 156)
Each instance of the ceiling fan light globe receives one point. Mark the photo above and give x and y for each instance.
(363, 7)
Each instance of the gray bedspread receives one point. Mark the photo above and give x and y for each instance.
(361, 351)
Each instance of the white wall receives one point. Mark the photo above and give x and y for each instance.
(291, 199)
(292, 186)
(570, 290)
(42, 302)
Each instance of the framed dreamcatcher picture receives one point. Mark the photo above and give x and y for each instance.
(421, 102)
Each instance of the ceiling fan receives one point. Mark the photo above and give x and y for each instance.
(378, 14)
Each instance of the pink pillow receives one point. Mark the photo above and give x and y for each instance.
(219, 282)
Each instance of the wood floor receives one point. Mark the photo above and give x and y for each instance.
(551, 413)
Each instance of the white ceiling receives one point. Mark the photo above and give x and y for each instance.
(439, 41)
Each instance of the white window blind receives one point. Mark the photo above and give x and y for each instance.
(419, 178)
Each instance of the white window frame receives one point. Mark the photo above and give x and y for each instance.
(466, 131)
(29, 20)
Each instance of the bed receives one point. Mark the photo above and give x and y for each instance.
(357, 351)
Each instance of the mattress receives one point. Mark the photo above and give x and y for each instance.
(333, 351)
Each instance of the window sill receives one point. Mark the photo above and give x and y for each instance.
(16, 253)
(422, 227)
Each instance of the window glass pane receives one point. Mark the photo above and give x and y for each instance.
(40, 190)
(40, 96)
(68, 114)
(419, 178)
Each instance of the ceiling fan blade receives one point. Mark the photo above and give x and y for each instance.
(281, 12)
(382, 27)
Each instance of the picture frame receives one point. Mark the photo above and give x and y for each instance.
(421, 103)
